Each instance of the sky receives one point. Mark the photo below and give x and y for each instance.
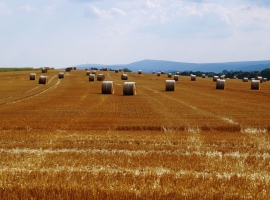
(63, 33)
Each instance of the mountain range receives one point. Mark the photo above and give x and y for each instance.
(167, 66)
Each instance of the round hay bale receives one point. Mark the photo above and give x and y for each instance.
(215, 78)
(162, 72)
(87, 73)
(222, 77)
(203, 75)
(259, 78)
(86, 68)
(92, 77)
(169, 86)
(220, 84)
(32, 76)
(120, 69)
(116, 71)
(74, 68)
(169, 75)
(107, 87)
(43, 80)
(153, 72)
(245, 79)
(158, 74)
(176, 77)
(140, 72)
(255, 84)
(68, 69)
(235, 77)
(124, 77)
(61, 75)
(264, 79)
(100, 77)
(193, 77)
(177, 73)
(93, 72)
(44, 70)
(129, 88)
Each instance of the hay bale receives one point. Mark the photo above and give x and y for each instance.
(44, 70)
(203, 75)
(235, 77)
(87, 73)
(107, 87)
(259, 78)
(193, 77)
(116, 71)
(124, 77)
(162, 72)
(177, 73)
(169, 86)
(153, 72)
(74, 68)
(264, 79)
(129, 88)
(222, 77)
(176, 77)
(158, 74)
(32, 76)
(120, 69)
(215, 78)
(68, 69)
(92, 77)
(169, 75)
(255, 84)
(61, 75)
(252, 79)
(245, 79)
(220, 84)
(100, 77)
(140, 72)
(43, 79)
(93, 72)
(86, 68)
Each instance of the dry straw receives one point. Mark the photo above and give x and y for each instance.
(93, 72)
(169, 86)
(264, 79)
(193, 77)
(92, 77)
(107, 87)
(100, 77)
(32, 76)
(140, 72)
(75, 68)
(129, 88)
(116, 71)
(235, 77)
(120, 69)
(158, 74)
(153, 72)
(177, 73)
(43, 79)
(169, 75)
(68, 69)
(203, 75)
(255, 84)
(245, 79)
(61, 75)
(222, 77)
(87, 73)
(162, 72)
(215, 78)
(176, 77)
(220, 84)
(124, 77)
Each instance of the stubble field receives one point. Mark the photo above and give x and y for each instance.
(66, 140)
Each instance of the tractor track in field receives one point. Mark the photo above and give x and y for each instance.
(34, 94)
(223, 118)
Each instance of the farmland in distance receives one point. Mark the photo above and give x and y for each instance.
(67, 140)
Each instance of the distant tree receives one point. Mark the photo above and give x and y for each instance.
(126, 70)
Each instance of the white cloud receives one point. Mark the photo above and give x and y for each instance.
(4, 10)
(93, 12)
(28, 8)
(49, 9)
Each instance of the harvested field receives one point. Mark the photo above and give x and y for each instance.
(65, 140)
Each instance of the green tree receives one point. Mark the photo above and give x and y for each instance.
(127, 70)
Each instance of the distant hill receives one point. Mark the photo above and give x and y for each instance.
(158, 65)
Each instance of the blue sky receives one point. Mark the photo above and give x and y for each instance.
(61, 33)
